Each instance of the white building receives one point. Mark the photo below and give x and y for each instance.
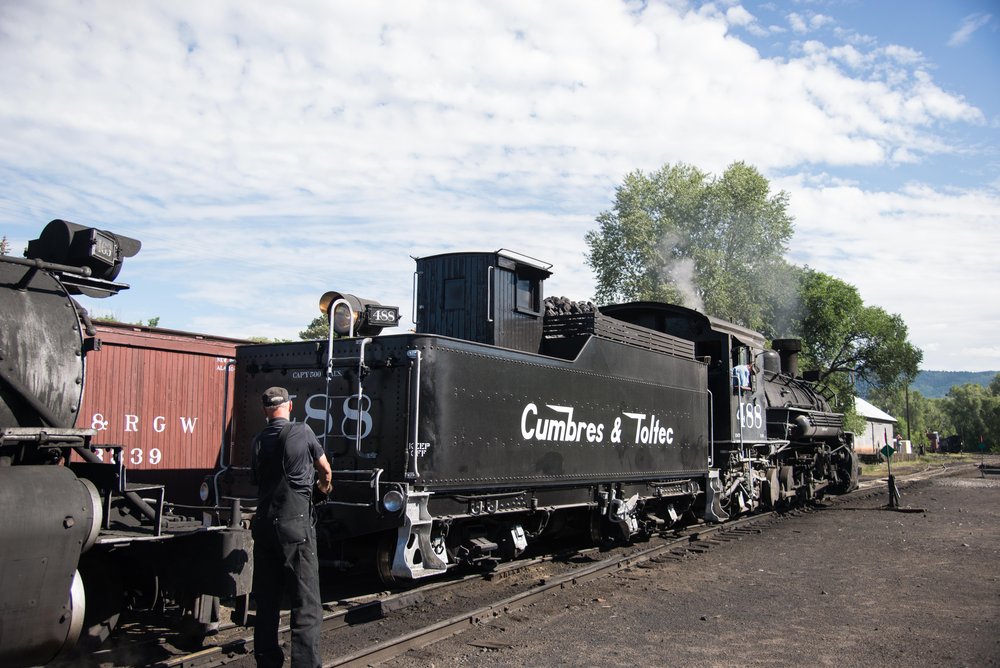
(879, 428)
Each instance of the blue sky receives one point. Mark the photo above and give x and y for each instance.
(267, 153)
(956, 42)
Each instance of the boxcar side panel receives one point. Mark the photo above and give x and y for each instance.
(160, 394)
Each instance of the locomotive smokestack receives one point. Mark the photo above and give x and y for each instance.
(788, 350)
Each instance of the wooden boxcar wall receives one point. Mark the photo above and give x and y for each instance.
(473, 296)
(161, 395)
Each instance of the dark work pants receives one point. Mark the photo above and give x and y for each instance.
(281, 568)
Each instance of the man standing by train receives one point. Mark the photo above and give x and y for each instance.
(286, 459)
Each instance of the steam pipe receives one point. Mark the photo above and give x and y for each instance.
(223, 466)
(41, 409)
(49, 266)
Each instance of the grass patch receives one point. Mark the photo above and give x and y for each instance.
(918, 463)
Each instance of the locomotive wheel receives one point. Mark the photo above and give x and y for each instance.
(849, 473)
(201, 619)
(596, 527)
(105, 597)
(786, 477)
(385, 552)
(770, 492)
(241, 610)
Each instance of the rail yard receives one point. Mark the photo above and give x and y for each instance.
(844, 582)
(545, 474)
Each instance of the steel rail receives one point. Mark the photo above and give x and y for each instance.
(436, 632)
(455, 625)
(367, 608)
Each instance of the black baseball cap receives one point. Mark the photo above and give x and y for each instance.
(274, 396)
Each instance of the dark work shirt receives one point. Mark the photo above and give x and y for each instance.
(301, 451)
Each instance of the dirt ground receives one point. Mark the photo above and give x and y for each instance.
(852, 584)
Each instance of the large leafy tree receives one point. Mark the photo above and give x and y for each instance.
(975, 412)
(318, 328)
(916, 413)
(711, 243)
(842, 337)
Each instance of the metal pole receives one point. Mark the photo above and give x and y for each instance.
(893, 499)
(908, 412)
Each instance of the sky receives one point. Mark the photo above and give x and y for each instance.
(265, 153)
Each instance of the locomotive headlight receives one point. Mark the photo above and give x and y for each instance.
(357, 316)
(86, 249)
(203, 492)
(393, 501)
(343, 319)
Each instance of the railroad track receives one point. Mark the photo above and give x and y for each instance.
(694, 541)
(352, 612)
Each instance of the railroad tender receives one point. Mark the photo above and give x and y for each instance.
(504, 417)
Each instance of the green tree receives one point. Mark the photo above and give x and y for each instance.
(916, 413)
(111, 317)
(843, 337)
(319, 328)
(679, 235)
(992, 416)
(974, 412)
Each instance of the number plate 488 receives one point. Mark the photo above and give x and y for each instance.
(751, 416)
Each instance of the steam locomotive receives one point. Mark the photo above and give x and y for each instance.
(503, 418)
(79, 542)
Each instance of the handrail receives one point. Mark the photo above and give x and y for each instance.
(414, 316)
(490, 272)
(223, 466)
(414, 429)
(361, 368)
(711, 428)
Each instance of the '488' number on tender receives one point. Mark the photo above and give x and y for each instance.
(751, 416)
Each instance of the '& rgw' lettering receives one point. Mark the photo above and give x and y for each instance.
(133, 423)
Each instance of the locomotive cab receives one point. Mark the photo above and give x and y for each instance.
(734, 356)
(492, 298)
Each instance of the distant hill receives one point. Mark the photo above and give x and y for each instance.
(935, 384)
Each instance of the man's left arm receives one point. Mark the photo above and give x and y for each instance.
(324, 474)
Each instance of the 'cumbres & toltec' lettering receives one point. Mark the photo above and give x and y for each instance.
(563, 428)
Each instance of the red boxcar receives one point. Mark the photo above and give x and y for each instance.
(166, 397)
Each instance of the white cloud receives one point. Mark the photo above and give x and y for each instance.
(798, 23)
(921, 252)
(970, 24)
(325, 142)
